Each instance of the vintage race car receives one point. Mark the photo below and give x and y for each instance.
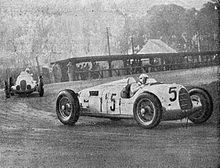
(25, 84)
(148, 106)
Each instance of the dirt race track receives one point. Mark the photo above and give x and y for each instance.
(32, 136)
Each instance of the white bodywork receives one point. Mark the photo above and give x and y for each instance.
(106, 99)
(27, 77)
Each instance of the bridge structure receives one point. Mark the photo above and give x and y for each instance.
(137, 63)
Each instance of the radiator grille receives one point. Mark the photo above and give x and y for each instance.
(184, 99)
(23, 85)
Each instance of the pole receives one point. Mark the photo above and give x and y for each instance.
(108, 44)
(132, 44)
(38, 66)
(109, 52)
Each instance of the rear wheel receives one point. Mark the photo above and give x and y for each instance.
(67, 107)
(202, 97)
(11, 83)
(41, 87)
(147, 110)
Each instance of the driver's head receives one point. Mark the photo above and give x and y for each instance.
(143, 78)
(27, 70)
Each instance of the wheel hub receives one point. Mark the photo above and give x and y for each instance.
(62, 107)
(142, 111)
(65, 106)
(145, 110)
(68, 105)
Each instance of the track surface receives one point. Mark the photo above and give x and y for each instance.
(32, 136)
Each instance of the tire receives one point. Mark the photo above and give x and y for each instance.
(67, 107)
(11, 83)
(202, 115)
(147, 104)
(41, 87)
(7, 90)
(41, 91)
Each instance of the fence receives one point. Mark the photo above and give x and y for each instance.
(134, 64)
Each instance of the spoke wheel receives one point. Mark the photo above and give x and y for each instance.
(67, 107)
(200, 100)
(41, 87)
(202, 97)
(147, 110)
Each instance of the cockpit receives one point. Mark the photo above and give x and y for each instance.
(126, 91)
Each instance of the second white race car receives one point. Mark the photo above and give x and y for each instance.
(148, 106)
(25, 84)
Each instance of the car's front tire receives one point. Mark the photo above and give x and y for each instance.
(7, 90)
(67, 107)
(203, 97)
(147, 110)
(41, 87)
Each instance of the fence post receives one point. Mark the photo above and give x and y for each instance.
(110, 68)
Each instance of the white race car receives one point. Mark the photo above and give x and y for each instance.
(25, 84)
(148, 106)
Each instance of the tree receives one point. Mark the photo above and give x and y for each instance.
(208, 22)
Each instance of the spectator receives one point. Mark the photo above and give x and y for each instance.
(70, 71)
(51, 75)
(87, 66)
(84, 73)
(79, 74)
(57, 73)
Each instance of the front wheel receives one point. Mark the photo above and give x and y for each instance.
(147, 110)
(7, 90)
(202, 97)
(41, 87)
(67, 107)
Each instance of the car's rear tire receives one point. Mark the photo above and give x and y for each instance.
(41, 87)
(202, 96)
(147, 104)
(67, 107)
(7, 90)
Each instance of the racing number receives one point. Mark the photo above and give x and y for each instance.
(172, 90)
(112, 108)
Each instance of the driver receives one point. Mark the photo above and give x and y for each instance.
(136, 86)
(27, 70)
(25, 75)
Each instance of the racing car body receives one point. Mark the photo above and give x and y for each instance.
(25, 84)
(152, 103)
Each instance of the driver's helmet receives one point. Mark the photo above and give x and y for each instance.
(27, 70)
(143, 78)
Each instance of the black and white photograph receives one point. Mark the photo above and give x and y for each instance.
(109, 83)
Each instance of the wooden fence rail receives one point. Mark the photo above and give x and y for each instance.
(165, 62)
(194, 63)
